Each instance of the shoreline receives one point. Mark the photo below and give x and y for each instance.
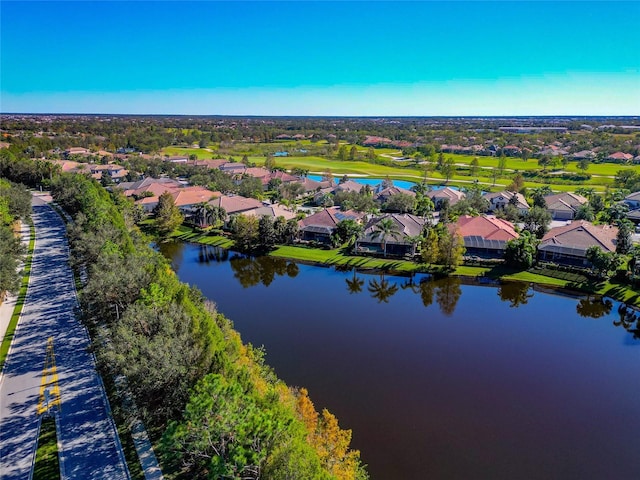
(620, 292)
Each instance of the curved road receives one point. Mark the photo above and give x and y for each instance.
(89, 446)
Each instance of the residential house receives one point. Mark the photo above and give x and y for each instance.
(633, 200)
(383, 195)
(442, 195)
(116, 172)
(320, 226)
(348, 186)
(583, 155)
(76, 151)
(620, 157)
(186, 199)
(484, 236)
(234, 204)
(499, 200)
(564, 206)
(569, 244)
(400, 243)
(177, 159)
(274, 211)
(149, 184)
(233, 168)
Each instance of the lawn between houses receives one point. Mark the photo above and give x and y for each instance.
(541, 275)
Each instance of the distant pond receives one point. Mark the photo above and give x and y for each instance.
(439, 379)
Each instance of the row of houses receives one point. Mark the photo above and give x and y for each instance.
(484, 236)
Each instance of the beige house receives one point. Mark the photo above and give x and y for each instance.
(569, 244)
(564, 206)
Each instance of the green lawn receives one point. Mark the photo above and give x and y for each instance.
(46, 466)
(177, 151)
(188, 234)
(13, 322)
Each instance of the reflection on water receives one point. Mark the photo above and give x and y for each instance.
(594, 307)
(382, 290)
(516, 293)
(209, 253)
(629, 320)
(251, 271)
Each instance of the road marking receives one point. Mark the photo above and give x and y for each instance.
(49, 389)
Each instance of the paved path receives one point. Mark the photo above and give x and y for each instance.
(90, 448)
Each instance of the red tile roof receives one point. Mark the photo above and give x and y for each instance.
(488, 227)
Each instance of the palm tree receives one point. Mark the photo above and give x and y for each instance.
(383, 229)
(382, 290)
(201, 214)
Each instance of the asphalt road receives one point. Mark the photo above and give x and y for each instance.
(89, 447)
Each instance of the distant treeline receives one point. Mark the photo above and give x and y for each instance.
(220, 410)
(149, 134)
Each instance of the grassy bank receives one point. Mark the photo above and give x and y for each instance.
(47, 466)
(22, 294)
(545, 276)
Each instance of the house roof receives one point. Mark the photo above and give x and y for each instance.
(447, 192)
(407, 225)
(235, 203)
(521, 202)
(393, 190)
(329, 217)
(184, 197)
(634, 197)
(284, 177)
(349, 186)
(565, 201)
(274, 211)
(257, 172)
(620, 156)
(576, 237)
(150, 184)
(487, 227)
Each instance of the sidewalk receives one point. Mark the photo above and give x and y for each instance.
(7, 307)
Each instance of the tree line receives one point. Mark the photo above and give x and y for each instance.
(217, 409)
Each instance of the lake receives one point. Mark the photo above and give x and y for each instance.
(442, 380)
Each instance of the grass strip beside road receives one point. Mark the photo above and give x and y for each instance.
(22, 294)
(47, 466)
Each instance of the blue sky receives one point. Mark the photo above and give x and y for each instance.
(321, 58)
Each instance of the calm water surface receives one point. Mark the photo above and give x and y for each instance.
(441, 380)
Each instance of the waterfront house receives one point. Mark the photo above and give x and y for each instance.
(401, 242)
(569, 244)
(320, 226)
(485, 236)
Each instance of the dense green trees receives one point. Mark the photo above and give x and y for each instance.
(185, 363)
(167, 215)
(521, 252)
(15, 204)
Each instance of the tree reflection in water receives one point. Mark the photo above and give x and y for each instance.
(251, 271)
(628, 320)
(209, 253)
(447, 294)
(516, 293)
(354, 285)
(594, 307)
(382, 290)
